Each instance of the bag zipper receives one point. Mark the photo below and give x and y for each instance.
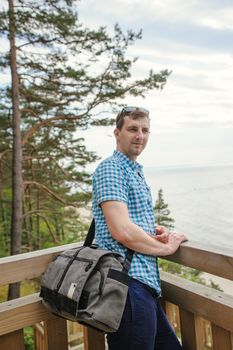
(75, 257)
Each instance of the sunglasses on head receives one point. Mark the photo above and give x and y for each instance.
(130, 109)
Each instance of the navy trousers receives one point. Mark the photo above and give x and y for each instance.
(144, 325)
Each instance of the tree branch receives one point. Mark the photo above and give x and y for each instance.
(29, 133)
(50, 231)
(4, 152)
(47, 190)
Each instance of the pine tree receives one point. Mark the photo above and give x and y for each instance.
(162, 212)
(65, 76)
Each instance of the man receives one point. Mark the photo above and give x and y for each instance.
(123, 212)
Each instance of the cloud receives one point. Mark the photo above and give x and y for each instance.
(198, 23)
(220, 19)
(213, 14)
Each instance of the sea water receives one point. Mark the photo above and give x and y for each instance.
(200, 200)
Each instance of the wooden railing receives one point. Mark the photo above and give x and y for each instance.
(203, 316)
(206, 315)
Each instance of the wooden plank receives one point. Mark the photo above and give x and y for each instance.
(19, 267)
(221, 338)
(93, 339)
(210, 304)
(212, 259)
(55, 333)
(39, 338)
(12, 341)
(206, 258)
(187, 325)
(22, 312)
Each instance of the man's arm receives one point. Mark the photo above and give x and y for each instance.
(132, 236)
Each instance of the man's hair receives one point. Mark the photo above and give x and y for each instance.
(133, 113)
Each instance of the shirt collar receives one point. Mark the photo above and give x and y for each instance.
(135, 166)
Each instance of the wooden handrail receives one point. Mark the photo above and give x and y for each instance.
(31, 265)
(194, 301)
(205, 257)
(211, 259)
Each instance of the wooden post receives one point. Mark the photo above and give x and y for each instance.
(55, 331)
(221, 338)
(187, 324)
(39, 338)
(93, 340)
(12, 341)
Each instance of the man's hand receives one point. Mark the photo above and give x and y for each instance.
(162, 234)
(173, 239)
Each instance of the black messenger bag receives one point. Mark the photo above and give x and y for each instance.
(88, 285)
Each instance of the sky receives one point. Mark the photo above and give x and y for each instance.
(192, 117)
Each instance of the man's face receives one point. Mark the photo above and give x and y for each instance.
(133, 137)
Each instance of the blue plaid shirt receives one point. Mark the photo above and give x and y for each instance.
(118, 178)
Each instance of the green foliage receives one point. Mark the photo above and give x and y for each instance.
(162, 212)
(29, 338)
(3, 293)
(180, 270)
(27, 287)
(187, 273)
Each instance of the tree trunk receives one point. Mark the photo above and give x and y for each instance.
(39, 237)
(3, 213)
(17, 181)
(30, 223)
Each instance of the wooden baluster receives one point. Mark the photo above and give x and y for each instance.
(221, 338)
(93, 340)
(12, 341)
(55, 332)
(39, 337)
(187, 324)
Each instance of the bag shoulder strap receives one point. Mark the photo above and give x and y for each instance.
(89, 239)
(90, 235)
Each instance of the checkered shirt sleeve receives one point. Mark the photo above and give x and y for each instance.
(109, 183)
